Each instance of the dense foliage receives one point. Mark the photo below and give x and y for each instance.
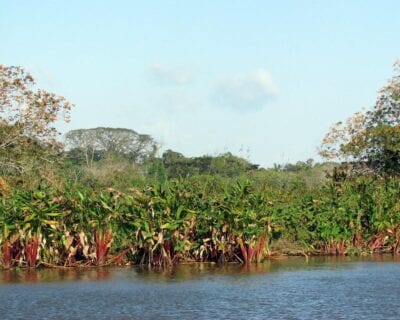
(108, 199)
(371, 137)
(202, 218)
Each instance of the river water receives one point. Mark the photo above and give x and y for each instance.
(292, 288)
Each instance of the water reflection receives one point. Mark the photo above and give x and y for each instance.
(54, 275)
(193, 272)
(186, 272)
(290, 288)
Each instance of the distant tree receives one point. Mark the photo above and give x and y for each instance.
(229, 165)
(226, 164)
(371, 137)
(176, 164)
(96, 143)
(298, 166)
(27, 119)
(171, 157)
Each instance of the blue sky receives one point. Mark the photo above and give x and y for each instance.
(262, 79)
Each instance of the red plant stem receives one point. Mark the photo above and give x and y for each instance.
(260, 249)
(332, 247)
(102, 246)
(244, 253)
(6, 254)
(377, 242)
(358, 239)
(250, 253)
(31, 250)
(341, 247)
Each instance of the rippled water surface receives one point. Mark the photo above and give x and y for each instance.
(291, 288)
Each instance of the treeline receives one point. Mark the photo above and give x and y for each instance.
(98, 147)
(108, 196)
(119, 157)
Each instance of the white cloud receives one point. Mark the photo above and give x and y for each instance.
(246, 92)
(171, 75)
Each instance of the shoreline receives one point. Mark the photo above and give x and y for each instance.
(276, 256)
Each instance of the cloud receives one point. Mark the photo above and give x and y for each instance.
(171, 75)
(246, 92)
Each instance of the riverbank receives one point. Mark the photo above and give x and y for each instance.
(197, 220)
(292, 251)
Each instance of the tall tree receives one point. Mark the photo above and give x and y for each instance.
(27, 118)
(371, 137)
(94, 144)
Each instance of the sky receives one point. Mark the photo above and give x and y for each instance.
(261, 79)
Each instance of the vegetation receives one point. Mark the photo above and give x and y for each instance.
(106, 198)
(372, 137)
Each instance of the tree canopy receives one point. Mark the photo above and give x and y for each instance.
(371, 137)
(27, 118)
(96, 143)
(177, 165)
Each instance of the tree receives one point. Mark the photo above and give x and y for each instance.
(371, 137)
(27, 118)
(96, 143)
(176, 164)
(228, 165)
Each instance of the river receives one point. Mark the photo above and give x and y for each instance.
(291, 288)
